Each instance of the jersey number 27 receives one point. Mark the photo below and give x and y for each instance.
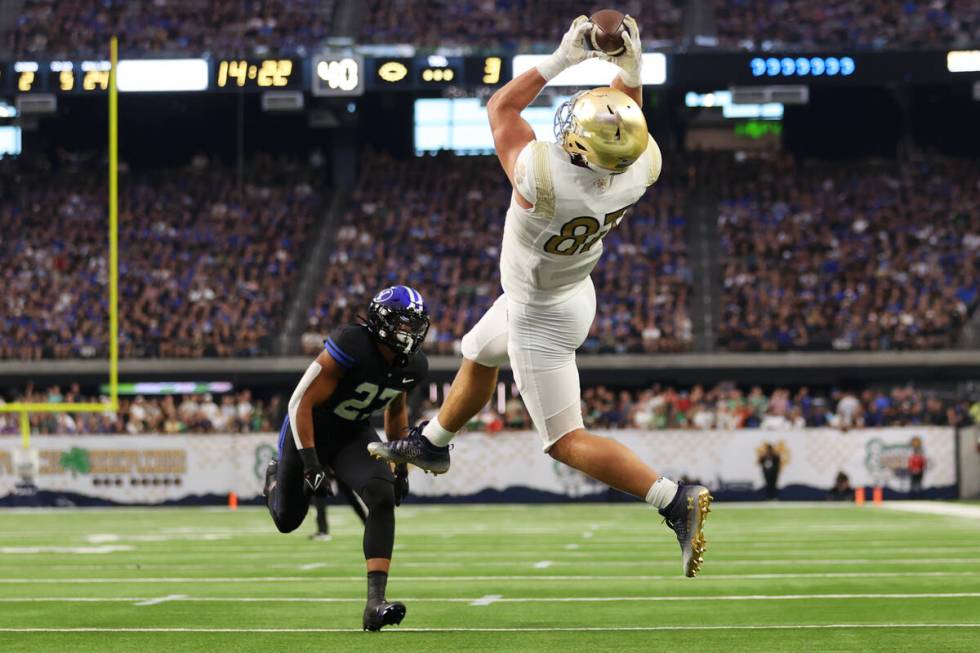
(366, 402)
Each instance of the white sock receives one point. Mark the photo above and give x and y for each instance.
(437, 435)
(661, 493)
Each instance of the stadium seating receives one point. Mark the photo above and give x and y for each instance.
(531, 25)
(243, 27)
(846, 23)
(724, 406)
(231, 413)
(794, 24)
(223, 27)
(865, 255)
(437, 222)
(203, 272)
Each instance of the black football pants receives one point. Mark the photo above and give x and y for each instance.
(346, 454)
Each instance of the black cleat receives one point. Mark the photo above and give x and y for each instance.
(270, 477)
(415, 449)
(685, 516)
(379, 613)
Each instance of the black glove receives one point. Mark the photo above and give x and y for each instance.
(401, 483)
(316, 481)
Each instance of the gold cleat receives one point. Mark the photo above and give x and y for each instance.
(686, 515)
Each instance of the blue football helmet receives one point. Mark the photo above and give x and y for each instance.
(399, 318)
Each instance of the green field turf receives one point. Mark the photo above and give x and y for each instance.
(502, 578)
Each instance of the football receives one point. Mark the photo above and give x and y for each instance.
(607, 31)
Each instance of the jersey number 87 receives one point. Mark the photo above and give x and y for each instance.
(578, 235)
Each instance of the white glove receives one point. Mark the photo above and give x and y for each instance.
(631, 61)
(571, 51)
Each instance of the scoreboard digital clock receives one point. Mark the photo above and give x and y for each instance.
(265, 74)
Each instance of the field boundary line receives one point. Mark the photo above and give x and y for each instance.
(476, 600)
(441, 579)
(531, 629)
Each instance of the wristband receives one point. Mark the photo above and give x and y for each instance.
(630, 79)
(551, 67)
(309, 457)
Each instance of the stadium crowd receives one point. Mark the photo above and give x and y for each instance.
(526, 25)
(724, 406)
(868, 255)
(875, 24)
(436, 223)
(203, 270)
(168, 414)
(64, 28)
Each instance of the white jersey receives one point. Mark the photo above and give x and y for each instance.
(551, 248)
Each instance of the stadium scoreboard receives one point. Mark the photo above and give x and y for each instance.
(436, 71)
(347, 74)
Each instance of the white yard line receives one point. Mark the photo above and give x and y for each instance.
(486, 600)
(935, 508)
(162, 599)
(312, 565)
(31, 550)
(543, 564)
(501, 630)
(442, 579)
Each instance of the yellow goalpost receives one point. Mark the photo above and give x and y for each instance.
(25, 408)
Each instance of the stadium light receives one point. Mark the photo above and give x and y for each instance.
(595, 72)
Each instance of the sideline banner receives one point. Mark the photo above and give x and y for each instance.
(141, 469)
(725, 461)
(155, 469)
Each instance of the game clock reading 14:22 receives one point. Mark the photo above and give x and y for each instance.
(257, 73)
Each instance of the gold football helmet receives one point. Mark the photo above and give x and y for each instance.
(602, 129)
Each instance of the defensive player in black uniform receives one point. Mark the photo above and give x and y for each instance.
(363, 368)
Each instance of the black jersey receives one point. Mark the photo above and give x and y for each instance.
(369, 381)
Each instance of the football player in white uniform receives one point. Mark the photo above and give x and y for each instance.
(566, 197)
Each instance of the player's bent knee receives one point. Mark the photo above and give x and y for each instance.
(378, 494)
(286, 522)
(491, 354)
(560, 449)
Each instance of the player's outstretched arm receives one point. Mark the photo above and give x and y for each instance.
(316, 386)
(511, 133)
